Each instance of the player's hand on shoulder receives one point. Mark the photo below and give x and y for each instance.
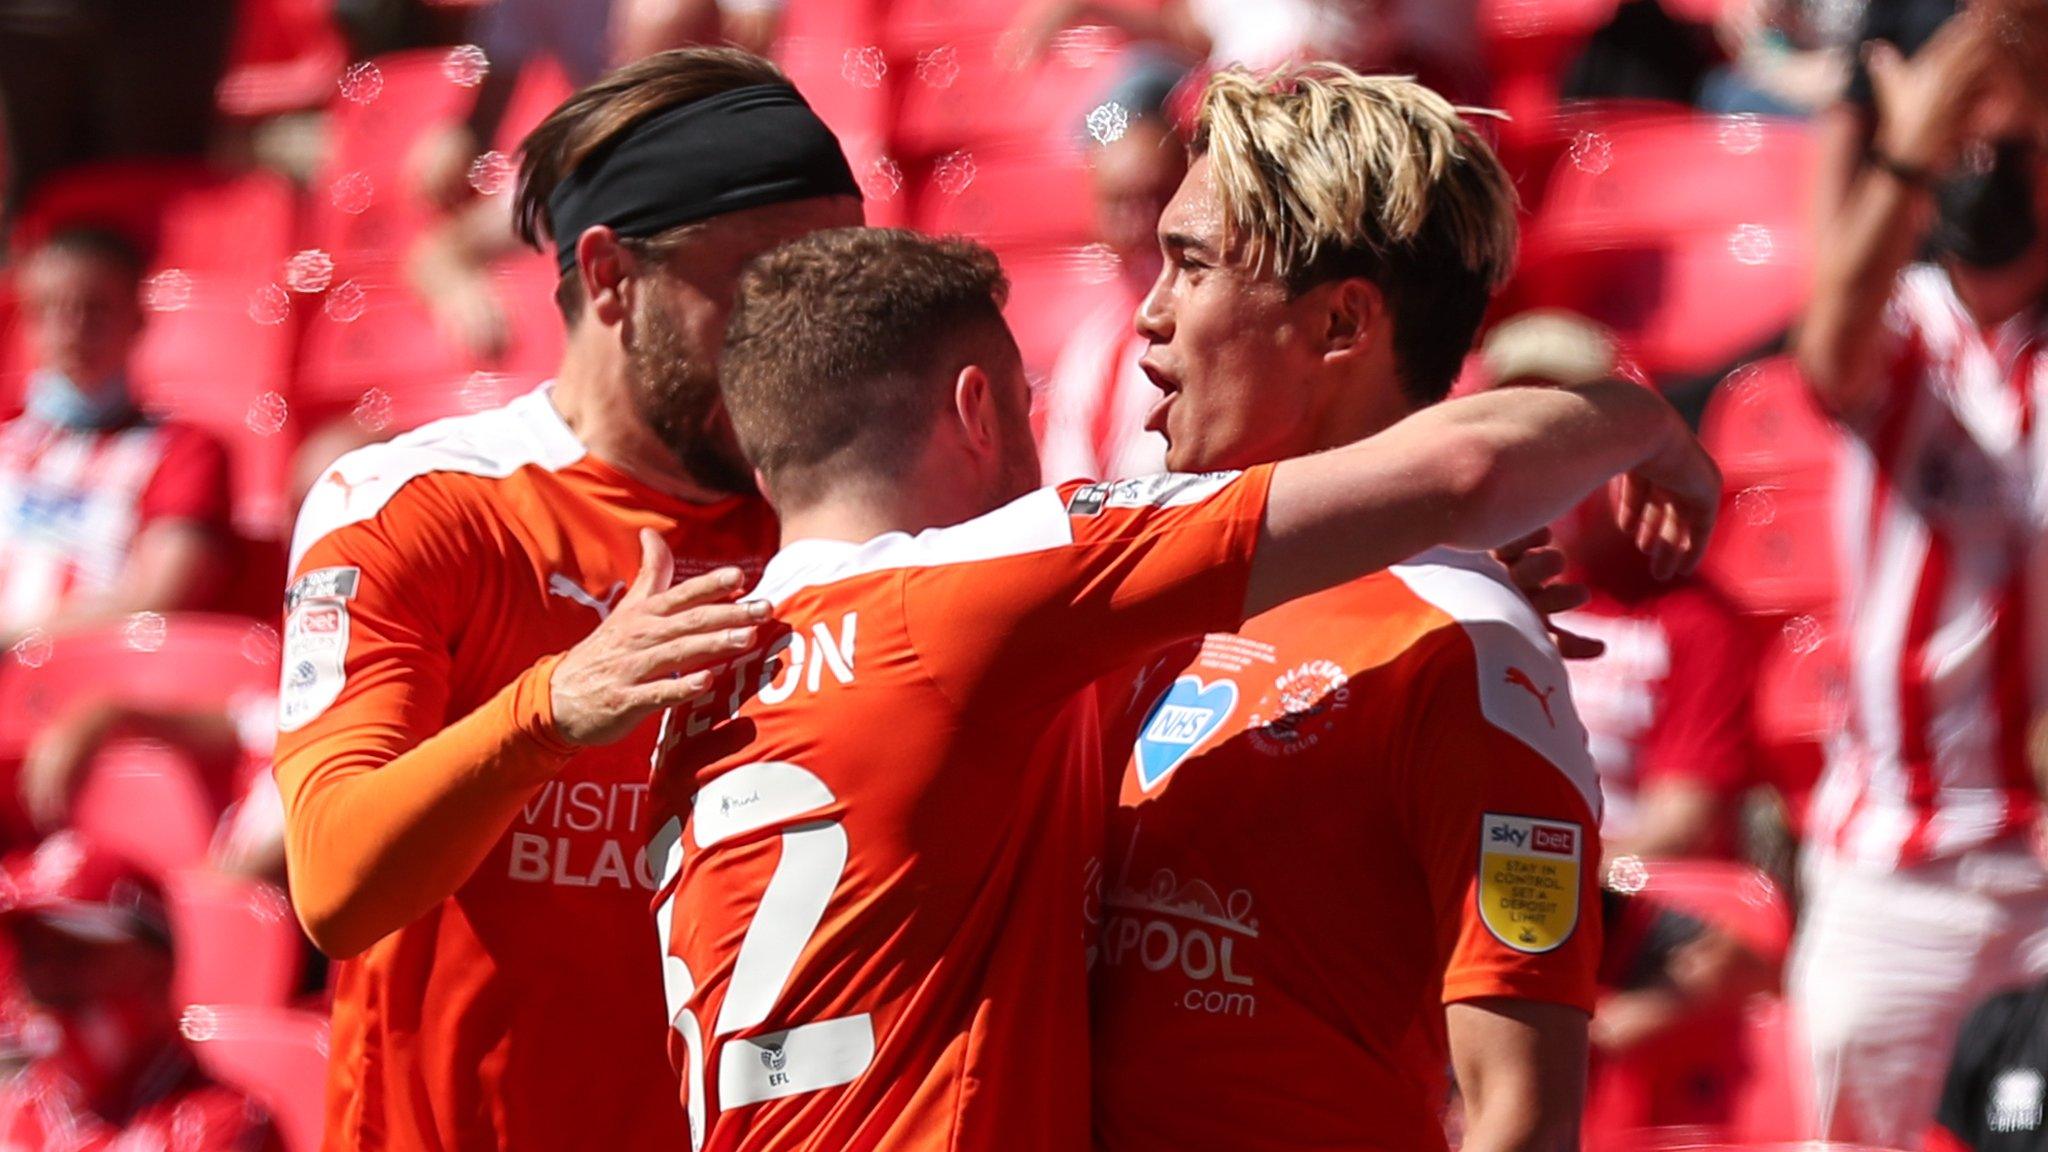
(657, 648)
(1536, 564)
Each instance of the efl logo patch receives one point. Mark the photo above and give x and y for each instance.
(1167, 490)
(1188, 714)
(1529, 880)
(323, 584)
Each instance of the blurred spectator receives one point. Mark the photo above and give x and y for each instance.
(103, 511)
(1642, 53)
(231, 745)
(1785, 57)
(85, 80)
(512, 34)
(1922, 890)
(1668, 1036)
(1993, 1096)
(1434, 40)
(1848, 127)
(1096, 402)
(1667, 705)
(94, 957)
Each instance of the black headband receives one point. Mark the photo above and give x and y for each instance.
(740, 149)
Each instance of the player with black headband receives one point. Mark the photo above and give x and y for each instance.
(484, 613)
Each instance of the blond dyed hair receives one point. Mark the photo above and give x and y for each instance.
(1324, 174)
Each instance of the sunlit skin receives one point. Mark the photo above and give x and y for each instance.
(84, 316)
(1248, 372)
(594, 388)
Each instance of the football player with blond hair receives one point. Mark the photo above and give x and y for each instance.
(1358, 834)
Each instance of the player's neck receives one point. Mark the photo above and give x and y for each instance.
(858, 513)
(596, 403)
(1356, 410)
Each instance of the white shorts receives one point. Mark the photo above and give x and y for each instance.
(1887, 964)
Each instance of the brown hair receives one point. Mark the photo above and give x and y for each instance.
(840, 345)
(599, 115)
(1325, 174)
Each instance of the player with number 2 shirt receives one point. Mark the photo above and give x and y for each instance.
(875, 841)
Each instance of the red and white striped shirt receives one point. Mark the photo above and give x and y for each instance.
(72, 502)
(1940, 509)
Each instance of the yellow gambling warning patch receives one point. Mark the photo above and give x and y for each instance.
(1529, 880)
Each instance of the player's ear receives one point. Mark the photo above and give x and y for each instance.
(1352, 310)
(976, 406)
(602, 265)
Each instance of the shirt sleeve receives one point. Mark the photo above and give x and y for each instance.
(190, 482)
(389, 807)
(1505, 831)
(1071, 583)
(1701, 732)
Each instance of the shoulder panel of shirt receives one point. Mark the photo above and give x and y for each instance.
(496, 443)
(1033, 523)
(1521, 680)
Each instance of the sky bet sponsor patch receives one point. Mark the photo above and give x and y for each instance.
(315, 645)
(1529, 880)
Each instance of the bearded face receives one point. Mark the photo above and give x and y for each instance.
(676, 390)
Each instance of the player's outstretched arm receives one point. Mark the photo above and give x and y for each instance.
(375, 839)
(1521, 1068)
(1478, 472)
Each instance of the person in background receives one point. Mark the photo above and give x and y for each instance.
(1677, 970)
(1664, 704)
(1785, 57)
(1096, 402)
(94, 958)
(104, 510)
(1925, 340)
(1993, 1095)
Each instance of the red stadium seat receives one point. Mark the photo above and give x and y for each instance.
(1763, 424)
(1051, 292)
(1528, 44)
(831, 50)
(1683, 304)
(1775, 1103)
(1532, 152)
(1801, 699)
(285, 56)
(187, 216)
(149, 803)
(961, 93)
(1643, 177)
(1007, 197)
(237, 940)
(363, 207)
(179, 661)
(1774, 552)
(277, 1055)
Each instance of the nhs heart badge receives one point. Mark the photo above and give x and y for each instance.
(1187, 715)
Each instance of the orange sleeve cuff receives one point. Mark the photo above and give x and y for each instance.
(531, 701)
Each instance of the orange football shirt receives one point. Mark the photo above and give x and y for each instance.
(875, 873)
(433, 578)
(1360, 805)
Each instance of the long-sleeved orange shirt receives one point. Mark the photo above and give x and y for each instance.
(507, 993)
